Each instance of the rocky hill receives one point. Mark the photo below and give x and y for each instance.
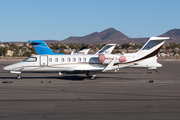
(112, 35)
(174, 34)
(107, 36)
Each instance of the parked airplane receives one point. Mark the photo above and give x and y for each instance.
(92, 63)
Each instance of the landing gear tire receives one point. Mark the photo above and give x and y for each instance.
(87, 75)
(149, 72)
(19, 76)
(93, 77)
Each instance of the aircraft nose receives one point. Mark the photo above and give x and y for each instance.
(6, 68)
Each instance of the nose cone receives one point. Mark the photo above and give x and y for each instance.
(7, 68)
(12, 67)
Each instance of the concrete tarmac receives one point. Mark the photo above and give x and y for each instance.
(123, 95)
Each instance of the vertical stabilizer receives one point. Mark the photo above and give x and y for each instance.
(152, 46)
(41, 48)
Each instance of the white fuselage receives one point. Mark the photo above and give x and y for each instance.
(57, 63)
(89, 62)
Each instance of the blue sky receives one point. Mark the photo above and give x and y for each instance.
(23, 20)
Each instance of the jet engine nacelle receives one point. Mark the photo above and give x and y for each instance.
(106, 59)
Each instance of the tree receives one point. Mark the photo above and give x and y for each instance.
(56, 47)
(1, 51)
(25, 44)
(73, 46)
(16, 52)
(33, 51)
(5, 51)
(136, 46)
(125, 45)
(63, 47)
(27, 54)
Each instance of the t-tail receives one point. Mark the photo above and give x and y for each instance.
(145, 57)
(41, 48)
(150, 49)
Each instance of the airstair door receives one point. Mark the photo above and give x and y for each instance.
(44, 59)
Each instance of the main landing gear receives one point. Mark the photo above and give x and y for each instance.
(19, 76)
(149, 71)
(91, 75)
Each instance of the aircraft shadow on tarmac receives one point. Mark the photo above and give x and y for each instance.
(77, 77)
(72, 78)
(124, 73)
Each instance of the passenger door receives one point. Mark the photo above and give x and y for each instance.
(44, 59)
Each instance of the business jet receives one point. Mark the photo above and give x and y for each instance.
(91, 63)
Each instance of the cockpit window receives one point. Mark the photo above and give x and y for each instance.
(30, 59)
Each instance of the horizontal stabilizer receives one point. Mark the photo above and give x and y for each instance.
(107, 49)
(154, 41)
(84, 50)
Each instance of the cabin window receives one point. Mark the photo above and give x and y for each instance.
(56, 59)
(30, 59)
(84, 59)
(69, 59)
(62, 59)
(74, 59)
(50, 59)
(79, 59)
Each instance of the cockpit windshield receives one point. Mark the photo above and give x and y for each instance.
(30, 59)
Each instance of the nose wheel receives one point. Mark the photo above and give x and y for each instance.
(19, 76)
(93, 77)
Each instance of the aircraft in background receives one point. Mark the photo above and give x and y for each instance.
(84, 50)
(92, 63)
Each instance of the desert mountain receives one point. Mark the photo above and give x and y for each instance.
(112, 35)
(174, 34)
(107, 36)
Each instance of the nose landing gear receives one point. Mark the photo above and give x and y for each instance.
(19, 76)
(150, 71)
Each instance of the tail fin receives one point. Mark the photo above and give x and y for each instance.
(152, 46)
(41, 48)
(84, 50)
(150, 49)
(107, 49)
(146, 56)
